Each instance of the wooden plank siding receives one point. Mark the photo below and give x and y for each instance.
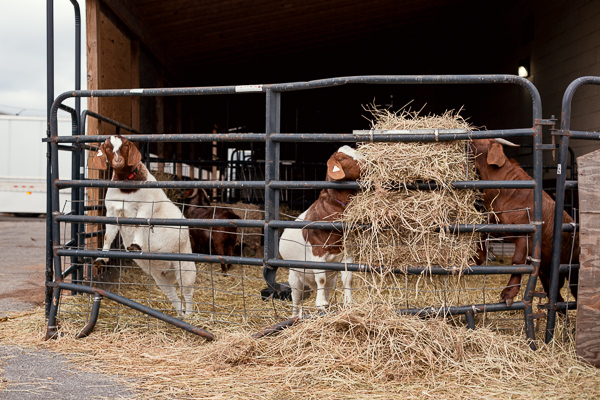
(588, 300)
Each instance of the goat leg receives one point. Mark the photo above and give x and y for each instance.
(511, 290)
(347, 281)
(109, 237)
(514, 283)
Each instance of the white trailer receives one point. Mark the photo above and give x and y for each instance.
(23, 164)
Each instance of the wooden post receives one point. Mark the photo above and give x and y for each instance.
(92, 9)
(587, 341)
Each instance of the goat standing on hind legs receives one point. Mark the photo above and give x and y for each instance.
(145, 203)
(322, 245)
(492, 164)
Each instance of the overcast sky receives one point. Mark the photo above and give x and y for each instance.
(23, 54)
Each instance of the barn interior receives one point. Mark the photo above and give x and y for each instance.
(151, 43)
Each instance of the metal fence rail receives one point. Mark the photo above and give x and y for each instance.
(273, 184)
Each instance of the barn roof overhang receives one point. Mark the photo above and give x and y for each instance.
(192, 37)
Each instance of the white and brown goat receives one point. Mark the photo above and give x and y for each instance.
(145, 203)
(322, 245)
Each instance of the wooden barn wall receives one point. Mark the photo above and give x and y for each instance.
(566, 47)
(113, 63)
(117, 60)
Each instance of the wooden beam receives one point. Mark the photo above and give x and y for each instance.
(92, 10)
(135, 83)
(587, 340)
(127, 12)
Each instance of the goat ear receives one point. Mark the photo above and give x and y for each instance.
(496, 155)
(335, 170)
(99, 159)
(133, 155)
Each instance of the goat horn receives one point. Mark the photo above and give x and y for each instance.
(506, 142)
(191, 193)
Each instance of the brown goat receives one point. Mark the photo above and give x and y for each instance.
(210, 240)
(492, 164)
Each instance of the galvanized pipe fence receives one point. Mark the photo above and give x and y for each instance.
(272, 185)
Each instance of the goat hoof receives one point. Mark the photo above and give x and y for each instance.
(98, 264)
(134, 247)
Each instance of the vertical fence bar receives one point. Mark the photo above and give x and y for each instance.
(55, 232)
(558, 220)
(273, 125)
(49, 100)
(561, 177)
(76, 198)
(536, 251)
(537, 216)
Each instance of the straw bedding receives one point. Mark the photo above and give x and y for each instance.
(366, 351)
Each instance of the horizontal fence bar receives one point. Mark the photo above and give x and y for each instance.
(509, 228)
(136, 306)
(421, 186)
(241, 223)
(571, 185)
(583, 134)
(570, 227)
(403, 79)
(179, 137)
(319, 83)
(89, 113)
(359, 136)
(457, 310)
(566, 268)
(472, 270)
(61, 184)
(566, 305)
(417, 135)
(132, 255)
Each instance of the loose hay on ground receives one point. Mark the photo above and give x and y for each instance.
(356, 353)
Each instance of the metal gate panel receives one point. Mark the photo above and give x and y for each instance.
(272, 186)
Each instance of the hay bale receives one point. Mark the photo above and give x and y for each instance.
(403, 222)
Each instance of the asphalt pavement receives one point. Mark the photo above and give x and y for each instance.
(30, 373)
